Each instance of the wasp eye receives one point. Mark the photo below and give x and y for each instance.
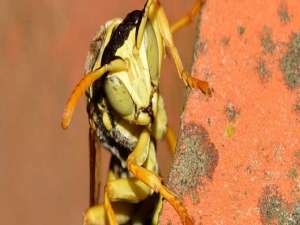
(118, 96)
(152, 53)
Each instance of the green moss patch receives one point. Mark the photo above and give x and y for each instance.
(283, 13)
(241, 30)
(231, 112)
(274, 210)
(195, 157)
(266, 40)
(290, 62)
(262, 69)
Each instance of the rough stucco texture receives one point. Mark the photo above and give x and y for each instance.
(246, 137)
(44, 175)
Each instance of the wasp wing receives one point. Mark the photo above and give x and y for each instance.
(95, 149)
(95, 169)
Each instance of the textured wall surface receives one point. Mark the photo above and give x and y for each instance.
(43, 45)
(238, 154)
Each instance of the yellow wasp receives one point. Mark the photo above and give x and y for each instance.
(127, 114)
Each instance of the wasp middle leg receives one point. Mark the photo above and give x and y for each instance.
(134, 163)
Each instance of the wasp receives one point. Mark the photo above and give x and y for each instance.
(127, 114)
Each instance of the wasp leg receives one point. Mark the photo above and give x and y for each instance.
(127, 189)
(160, 128)
(108, 209)
(96, 215)
(142, 25)
(134, 163)
(171, 140)
(157, 15)
(153, 10)
(130, 190)
(188, 18)
(118, 196)
(157, 210)
(85, 82)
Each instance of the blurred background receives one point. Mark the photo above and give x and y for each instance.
(43, 45)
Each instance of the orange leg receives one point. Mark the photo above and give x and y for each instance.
(109, 210)
(135, 162)
(158, 15)
(171, 140)
(188, 18)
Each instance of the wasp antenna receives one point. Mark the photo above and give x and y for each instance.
(80, 88)
(84, 83)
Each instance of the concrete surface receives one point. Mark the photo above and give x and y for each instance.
(43, 45)
(238, 153)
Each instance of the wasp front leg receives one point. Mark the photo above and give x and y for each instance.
(188, 18)
(158, 17)
(134, 163)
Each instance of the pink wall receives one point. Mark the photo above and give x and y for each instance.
(43, 45)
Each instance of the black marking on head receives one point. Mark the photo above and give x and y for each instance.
(120, 34)
(117, 39)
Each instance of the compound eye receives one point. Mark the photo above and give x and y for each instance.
(118, 96)
(152, 53)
